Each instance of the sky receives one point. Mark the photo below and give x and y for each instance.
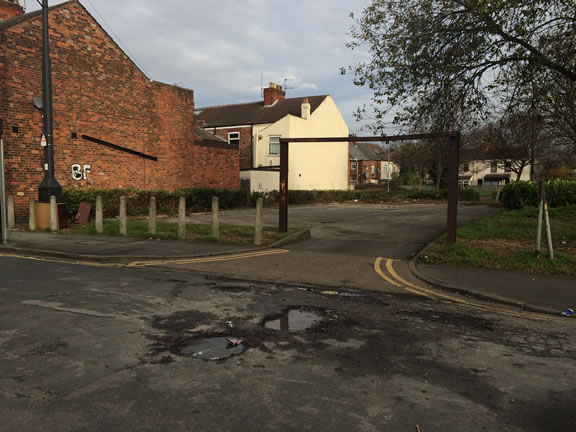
(223, 48)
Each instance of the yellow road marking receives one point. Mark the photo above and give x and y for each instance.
(151, 263)
(209, 259)
(382, 274)
(61, 260)
(415, 289)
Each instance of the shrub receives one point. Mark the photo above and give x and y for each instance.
(468, 194)
(519, 194)
(137, 201)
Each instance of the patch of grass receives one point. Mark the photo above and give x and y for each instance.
(234, 234)
(506, 240)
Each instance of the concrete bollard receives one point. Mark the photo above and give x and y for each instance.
(182, 218)
(10, 209)
(152, 216)
(53, 214)
(215, 218)
(32, 214)
(123, 220)
(99, 222)
(259, 226)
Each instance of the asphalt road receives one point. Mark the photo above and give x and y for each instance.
(346, 241)
(87, 348)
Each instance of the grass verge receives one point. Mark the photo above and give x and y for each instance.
(233, 234)
(506, 240)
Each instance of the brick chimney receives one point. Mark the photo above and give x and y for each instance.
(10, 9)
(305, 109)
(272, 94)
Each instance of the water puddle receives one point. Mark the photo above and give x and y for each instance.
(214, 348)
(350, 294)
(294, 320)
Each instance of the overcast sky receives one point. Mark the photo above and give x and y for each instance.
(220, 48)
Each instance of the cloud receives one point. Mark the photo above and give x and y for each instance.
(222, 48)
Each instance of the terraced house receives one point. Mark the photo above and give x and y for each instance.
(258, 126)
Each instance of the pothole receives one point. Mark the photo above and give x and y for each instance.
(213, 348)
(294, 320)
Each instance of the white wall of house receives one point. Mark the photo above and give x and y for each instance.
(483, 169)
(388, 170)
(311, 165)
(261, 181)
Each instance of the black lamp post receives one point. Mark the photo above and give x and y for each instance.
(49, 185)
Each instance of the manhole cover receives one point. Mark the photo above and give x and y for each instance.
(214, 348)
(294, 320)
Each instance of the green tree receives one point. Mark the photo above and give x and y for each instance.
(462, 57)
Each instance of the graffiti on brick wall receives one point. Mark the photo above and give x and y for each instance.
(80, 172)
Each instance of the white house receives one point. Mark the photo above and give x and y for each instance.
(258, 126)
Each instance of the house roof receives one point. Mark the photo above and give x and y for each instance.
(365, 151)
(255, 112)
(207, 136)
(25, 17)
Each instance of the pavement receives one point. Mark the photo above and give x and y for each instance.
(530, 292)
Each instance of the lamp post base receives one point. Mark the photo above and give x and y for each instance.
(47, 188)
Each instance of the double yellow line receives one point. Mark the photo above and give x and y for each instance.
(220, 258)
(209, 259)
(393, 278)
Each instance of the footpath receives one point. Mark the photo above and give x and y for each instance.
(536, 293)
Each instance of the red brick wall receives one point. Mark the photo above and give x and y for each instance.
(9, 9)
(245, 143)
(100, 93)
(364, 167)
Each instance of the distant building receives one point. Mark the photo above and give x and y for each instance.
(489, 173)
(113, 126)
(258, 126)
(369, 163)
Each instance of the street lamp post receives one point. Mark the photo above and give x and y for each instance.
(49, 185)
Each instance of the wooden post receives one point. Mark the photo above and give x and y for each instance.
(53, 214)
(453, 162)
(182, 218)
(123, 219)
(152, 216)
(259, 226)
(99, 219)
(215, 218)
(11, 219)
(283, 205)
(32, 214)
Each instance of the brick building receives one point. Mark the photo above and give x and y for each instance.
(113, 127)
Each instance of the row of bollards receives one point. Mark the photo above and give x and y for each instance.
(215, 223)
(152, 217)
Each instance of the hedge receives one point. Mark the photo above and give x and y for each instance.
(520, 194)
(200, 199)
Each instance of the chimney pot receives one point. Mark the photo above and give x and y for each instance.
(272, 94)
(305, 108)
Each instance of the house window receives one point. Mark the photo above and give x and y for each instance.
(353, 165)
(274, 145)
(234, 138)
(466, 168)
(373, 169)
(507, 166)
(494, 167)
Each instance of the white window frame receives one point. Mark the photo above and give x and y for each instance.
(235, 138)
(353, 166)
(270, 145)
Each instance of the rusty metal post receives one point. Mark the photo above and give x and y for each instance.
(453, 162)
(283, 216)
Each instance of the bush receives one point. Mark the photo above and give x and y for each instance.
(137, 201)
(520, 194)
(468, 194)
